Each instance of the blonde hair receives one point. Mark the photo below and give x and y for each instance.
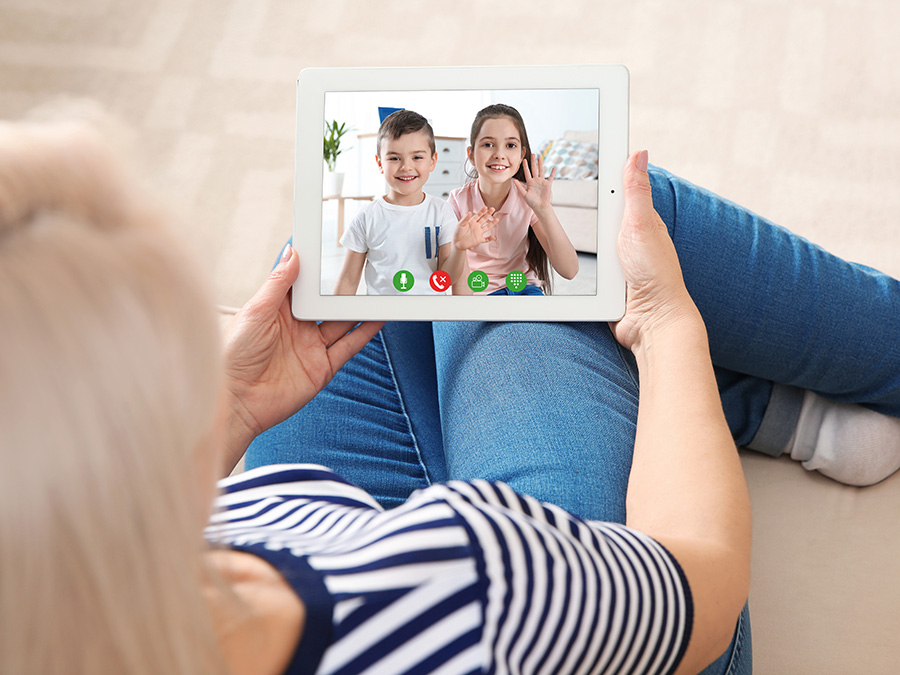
(108, 384)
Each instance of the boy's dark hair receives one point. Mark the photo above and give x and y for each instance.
(403, 122)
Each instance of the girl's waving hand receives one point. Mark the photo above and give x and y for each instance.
(536, 189)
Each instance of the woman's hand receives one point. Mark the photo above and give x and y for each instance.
(656, 295)
(275, 364)
(475, 228)
(536, 189)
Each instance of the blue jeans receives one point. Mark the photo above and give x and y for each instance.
(551, 408)
(528, 290)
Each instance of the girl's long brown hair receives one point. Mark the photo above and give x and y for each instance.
(536, 256)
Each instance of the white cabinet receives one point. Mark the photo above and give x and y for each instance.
(449, 172)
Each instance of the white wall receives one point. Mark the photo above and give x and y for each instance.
(547, 113)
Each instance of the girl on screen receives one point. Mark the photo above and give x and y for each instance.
(528, 238)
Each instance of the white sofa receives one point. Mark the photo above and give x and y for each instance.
(575, 203)
(825, 586)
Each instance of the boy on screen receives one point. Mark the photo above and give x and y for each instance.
(402, 238)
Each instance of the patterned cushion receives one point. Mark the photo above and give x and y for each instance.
(573, 160)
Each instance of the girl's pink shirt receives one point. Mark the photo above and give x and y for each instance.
(507, 251)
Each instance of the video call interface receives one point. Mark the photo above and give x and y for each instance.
(388, 226)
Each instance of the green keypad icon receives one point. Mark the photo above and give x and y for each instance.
(516, 281)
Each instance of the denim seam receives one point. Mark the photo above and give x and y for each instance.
(738, 645)
(674, 194)
(620, 350)
(409, 426)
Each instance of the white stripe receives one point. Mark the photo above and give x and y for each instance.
(651, 585)
(407, 542)
(322, 526)
(631, 584)
(306, 488)
(432, 639)
(345, 608)
(655, 627)
(673, 595)
(386, 524)
(269, 469)
(243, 511)
(592, 632)
(289, 515)
(517, 577)
(394, 578)
(281, 518)
(493, 568)
(466, 661)
(338, 542)
(531, 624)
(445, 580)
(586, 618)
(611, 613)
(569, 620)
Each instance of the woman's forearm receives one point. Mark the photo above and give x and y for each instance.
(684, 453)
(687, 487)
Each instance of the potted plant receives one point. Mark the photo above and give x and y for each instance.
(333, 182)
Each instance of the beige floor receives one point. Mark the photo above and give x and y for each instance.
(791, 108)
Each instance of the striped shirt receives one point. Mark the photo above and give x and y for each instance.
(463, 578)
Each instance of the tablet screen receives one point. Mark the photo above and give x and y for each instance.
(405, 243)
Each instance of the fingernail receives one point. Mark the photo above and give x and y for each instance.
(286, 254)
(643, 159)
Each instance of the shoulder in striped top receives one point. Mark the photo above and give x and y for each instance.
(463, 578)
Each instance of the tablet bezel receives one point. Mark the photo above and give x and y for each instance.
(312, 85)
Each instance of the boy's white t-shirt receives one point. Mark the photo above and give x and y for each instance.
(396, 238)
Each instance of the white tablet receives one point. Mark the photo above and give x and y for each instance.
(380, 220)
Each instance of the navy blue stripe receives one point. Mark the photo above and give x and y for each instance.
(284, 477)
(375, 602)
(414, 625)
(664, 647)
(681, 582)
(404, 558)
(578, 569)
(545, 613)
(528, 571)
(625, 599)
(391, 533)
(427, 243)
(654, 580)
(566, 591)
(450, 650)
(310, 587)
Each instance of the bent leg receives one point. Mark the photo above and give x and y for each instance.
(781, 309)
(549, 408)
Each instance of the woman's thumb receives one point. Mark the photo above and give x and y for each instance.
(636, 182)
(274, 289)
